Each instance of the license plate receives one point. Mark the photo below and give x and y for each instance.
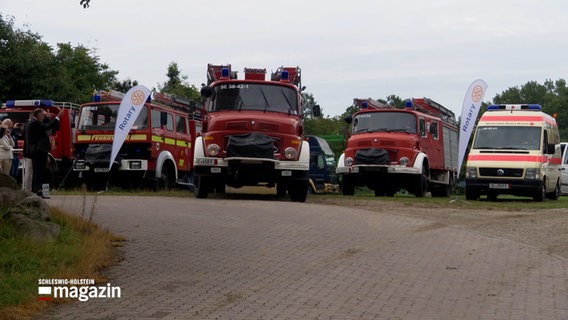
(499, 186)
(215, 170)
(206, 161)
(102, 170)
(286, 173)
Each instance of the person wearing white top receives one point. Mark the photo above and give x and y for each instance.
(6, 147)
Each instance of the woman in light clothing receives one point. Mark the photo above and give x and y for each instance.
(6, 147)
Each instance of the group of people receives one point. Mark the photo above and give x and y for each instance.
(35, 134)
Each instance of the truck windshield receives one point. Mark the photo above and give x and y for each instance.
(507, 137)
(384, 121)
(252, 96)
(103, 117)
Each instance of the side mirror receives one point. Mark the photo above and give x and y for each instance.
(348, 119)
(316, 111)
(206, 91)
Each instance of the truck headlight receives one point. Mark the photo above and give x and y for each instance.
(403, 161)
(213, 149)
(532, 174)
(348, 161)
(290, 153)
(471, 172)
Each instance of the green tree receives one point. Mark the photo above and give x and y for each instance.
(177, 84)
(32, 70)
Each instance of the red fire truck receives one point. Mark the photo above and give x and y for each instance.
(389, 149)
(252, 133)
(62, 153)
(158, 148)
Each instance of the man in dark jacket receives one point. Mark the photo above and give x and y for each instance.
(37, 144)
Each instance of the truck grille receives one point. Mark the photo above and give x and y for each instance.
(501, 172)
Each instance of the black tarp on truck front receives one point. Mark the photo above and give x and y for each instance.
(250, 145)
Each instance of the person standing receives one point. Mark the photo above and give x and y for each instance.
(37, 145)
(16, 136)
(6, 147)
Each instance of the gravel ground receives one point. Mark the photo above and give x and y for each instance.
(546, 229)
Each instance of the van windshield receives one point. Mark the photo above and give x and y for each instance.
(507, 137)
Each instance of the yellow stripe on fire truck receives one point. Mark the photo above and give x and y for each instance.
(109, 137)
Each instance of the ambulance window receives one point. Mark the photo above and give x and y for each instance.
(423, 127)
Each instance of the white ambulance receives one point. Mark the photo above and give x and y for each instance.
(516, 150)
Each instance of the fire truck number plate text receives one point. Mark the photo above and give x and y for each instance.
(286, 173)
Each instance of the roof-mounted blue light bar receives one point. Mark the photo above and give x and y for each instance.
(364, 105)
(27, 103)
(285, 76)
(512, 107)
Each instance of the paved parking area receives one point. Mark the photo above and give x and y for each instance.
(247, 259)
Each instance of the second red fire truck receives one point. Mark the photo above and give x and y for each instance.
(252, 133)
(389, 149)
(158, 148)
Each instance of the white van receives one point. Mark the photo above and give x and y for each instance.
(516, 150)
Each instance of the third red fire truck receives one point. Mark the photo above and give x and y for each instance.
(389, 149)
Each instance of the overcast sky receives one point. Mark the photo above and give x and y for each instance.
(358, 49)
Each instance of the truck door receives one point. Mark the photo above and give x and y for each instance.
(564, 170)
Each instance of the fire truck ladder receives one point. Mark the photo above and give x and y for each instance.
(214, 72)
(430, 106)
(371, 103)
(294, 75)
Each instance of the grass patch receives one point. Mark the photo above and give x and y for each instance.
(81, 251)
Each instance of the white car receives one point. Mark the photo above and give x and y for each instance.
(564, 170)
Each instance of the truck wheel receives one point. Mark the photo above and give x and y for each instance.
(470, 195)
(421, 186)
(298, 191)
(555, 194)
(540, 195)
(201, 187)
(347, 186)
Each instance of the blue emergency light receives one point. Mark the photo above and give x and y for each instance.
(96, 97)
(285, 76)
(35, 103)
(364, 105)
(408, 104)
(225, 73)
(511, 107)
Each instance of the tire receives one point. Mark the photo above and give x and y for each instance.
(201, 187)
(555, 194)
(298, 191)
(470, 195)
(163, 182)
(347, 186)
(422, 184)
(540, 195)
